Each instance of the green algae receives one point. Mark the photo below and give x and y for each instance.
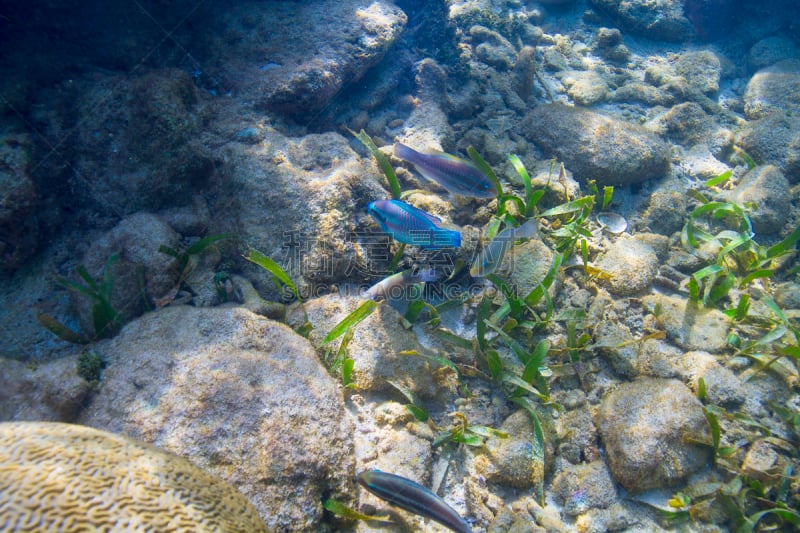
(90, 366)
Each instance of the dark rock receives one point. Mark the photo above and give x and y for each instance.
(608, 37)
(663, 20)
(333, 43)
(135, 145)
(771, 50)
(710, 18)
(51, 391)
(666, 212)
(19, 202)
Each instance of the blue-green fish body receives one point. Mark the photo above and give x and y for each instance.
(457, 175)
(412, 497)
(407, 224)
(493, 252)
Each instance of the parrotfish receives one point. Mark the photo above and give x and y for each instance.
(492, 254)
(407, 224)
(395, 286)
(457, 175)
(412, 497)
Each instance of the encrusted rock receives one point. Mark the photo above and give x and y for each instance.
(239, 395)
(698, 163)
(763, 462)
(773, 89)
(493, 49)
(140, 272)
(659, 359)
(64, 477)
(687, 123)
(526, 265)
(666, 212)
(524, 72)
(787, 294)
(431, 80)
(723, 387)
(375, 346)
(637, 91)
(774, 140)
(701, 70)
(513, 461)
(49, 391)
(615, 342)
(630, 264)
(688, 324)
(597, 146)
(608, 37)
(584, 486)
(315, 244)
(577, 435)
(648, 427)
(585, 87)
(767, 188)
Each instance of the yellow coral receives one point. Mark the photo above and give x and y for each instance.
(70, 478)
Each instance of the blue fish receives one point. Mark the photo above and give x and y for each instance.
(412, 497)
(457, 175)
(407, 224)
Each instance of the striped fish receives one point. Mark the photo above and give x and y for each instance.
(457, 175)
(412, 497)
(396, 286)
(407, 224)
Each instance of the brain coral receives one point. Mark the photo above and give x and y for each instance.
(64, 477)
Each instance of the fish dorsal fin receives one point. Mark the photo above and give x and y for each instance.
(410, 208)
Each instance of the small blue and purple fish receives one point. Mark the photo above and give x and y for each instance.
(409, 225)
(412, 497)
(457, 175)
(493, 252)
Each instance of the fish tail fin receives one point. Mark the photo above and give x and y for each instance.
(528, 230)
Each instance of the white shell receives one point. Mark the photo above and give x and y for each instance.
(612, 222)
